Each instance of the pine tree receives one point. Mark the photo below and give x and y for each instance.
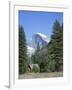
(61, 49)
(55, 48)
(22, 51)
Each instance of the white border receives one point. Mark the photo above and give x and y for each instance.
(14, 81)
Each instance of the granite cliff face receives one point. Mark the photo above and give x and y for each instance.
(37, 38)
(40, 39)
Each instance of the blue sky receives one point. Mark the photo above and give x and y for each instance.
(38, 21)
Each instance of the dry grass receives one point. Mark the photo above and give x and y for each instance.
(40, 75)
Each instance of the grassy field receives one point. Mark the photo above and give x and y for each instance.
(40, 75)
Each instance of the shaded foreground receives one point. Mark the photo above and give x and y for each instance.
(40, 75)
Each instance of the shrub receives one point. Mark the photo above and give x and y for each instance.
(43, 67)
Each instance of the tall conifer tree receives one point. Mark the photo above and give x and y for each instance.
(22, 51)
(55, 48)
